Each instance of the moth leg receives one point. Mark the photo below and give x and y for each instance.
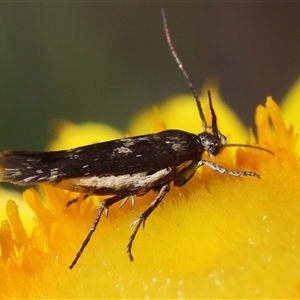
(223, 170)
(103, 206)
(70, 202)
(125, 200)
(142, 218)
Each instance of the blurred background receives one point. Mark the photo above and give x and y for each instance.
(106, 61)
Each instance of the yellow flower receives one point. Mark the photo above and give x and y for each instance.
(71, 135)
(217, 236)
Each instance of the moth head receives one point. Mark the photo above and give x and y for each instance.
(212, 144)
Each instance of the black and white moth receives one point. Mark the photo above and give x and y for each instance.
(126, 167)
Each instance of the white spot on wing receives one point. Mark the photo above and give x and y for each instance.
(122, 150)
(179, 146)
(11, 173)
(128, 142)
(28, 179)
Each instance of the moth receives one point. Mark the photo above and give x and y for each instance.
(127, 167)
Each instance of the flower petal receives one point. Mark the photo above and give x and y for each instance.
(69, 135)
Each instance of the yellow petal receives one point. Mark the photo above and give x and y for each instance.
(69, 135)
(291, 105)
(7, 194)
(291, 108)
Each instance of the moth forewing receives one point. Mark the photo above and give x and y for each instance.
(139, 161)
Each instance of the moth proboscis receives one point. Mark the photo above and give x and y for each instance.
(125, 167)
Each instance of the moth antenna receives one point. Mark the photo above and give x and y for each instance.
(249, 146)
(214, 126)
(179, 63)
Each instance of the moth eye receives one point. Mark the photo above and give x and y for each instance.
(216, 148)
